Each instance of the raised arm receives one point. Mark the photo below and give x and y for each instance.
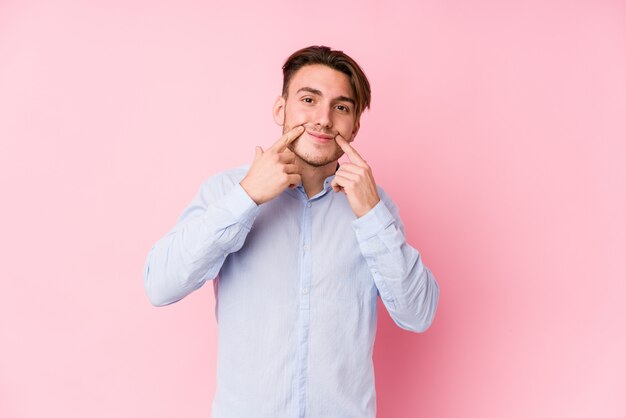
(406, 286)
(217, 222)
(214, 225)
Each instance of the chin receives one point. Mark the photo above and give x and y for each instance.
(319, 160)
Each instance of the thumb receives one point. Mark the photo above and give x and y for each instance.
(258, 151)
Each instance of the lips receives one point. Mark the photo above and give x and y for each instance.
(320, 137)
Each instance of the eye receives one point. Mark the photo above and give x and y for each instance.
(307, 100)
(343, 108)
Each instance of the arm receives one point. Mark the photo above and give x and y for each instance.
(217, 223)
(214, 225)
(406, 286)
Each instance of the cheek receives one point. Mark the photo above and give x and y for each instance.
(293, 120)
(297, 113)
(346, 132)
(345, 126)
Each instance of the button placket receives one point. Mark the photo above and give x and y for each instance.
(306, 265)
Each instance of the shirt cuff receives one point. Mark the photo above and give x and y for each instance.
(374, 221)
(239, 204)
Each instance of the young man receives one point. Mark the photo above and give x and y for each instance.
(298, 248)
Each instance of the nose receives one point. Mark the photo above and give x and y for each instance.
(323, 117)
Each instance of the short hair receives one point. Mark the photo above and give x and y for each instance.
(337, 60)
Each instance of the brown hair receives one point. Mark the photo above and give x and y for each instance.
(336, 60)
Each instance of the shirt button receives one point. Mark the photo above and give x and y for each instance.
(305, 291)
(308, 205)
(305, 247)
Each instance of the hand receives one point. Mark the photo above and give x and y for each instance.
(356, 180)
(272, 171)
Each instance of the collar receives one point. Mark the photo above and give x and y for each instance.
(299, 192)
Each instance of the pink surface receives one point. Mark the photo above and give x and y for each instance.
(500, 131)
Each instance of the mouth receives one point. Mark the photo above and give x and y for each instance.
(320, 137)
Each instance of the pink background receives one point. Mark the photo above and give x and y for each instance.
(500, 131)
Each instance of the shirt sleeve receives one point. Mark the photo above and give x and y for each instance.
(406, 286)
(215, 224)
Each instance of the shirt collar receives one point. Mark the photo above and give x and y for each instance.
(299, 191)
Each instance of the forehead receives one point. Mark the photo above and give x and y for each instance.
(330, 82)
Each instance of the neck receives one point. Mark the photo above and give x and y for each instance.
(313, 177)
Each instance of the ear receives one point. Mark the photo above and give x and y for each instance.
(357, 125)
(279, 111)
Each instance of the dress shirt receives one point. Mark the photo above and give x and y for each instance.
(296, 282)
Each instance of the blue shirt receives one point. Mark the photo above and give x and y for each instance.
(296, 282)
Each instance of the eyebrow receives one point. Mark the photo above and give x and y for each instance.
(319, 93)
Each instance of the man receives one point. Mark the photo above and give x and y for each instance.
(298, 248)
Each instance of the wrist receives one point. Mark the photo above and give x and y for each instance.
(365, 209)
(245, 185)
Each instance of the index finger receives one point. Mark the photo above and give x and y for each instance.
(287, 138)
(354, 156)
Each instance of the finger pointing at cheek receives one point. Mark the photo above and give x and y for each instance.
(352, 154)
(287, 139)
(272, 171)
(356, 180)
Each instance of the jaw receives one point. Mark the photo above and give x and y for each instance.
(321, 158)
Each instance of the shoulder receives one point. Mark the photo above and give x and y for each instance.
(232, 175)
(227, 177)
(221, 183)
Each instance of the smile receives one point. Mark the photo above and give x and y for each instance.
(320, 137)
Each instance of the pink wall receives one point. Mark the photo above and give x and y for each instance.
(499, 130)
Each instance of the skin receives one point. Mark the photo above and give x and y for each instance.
(317, 115)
